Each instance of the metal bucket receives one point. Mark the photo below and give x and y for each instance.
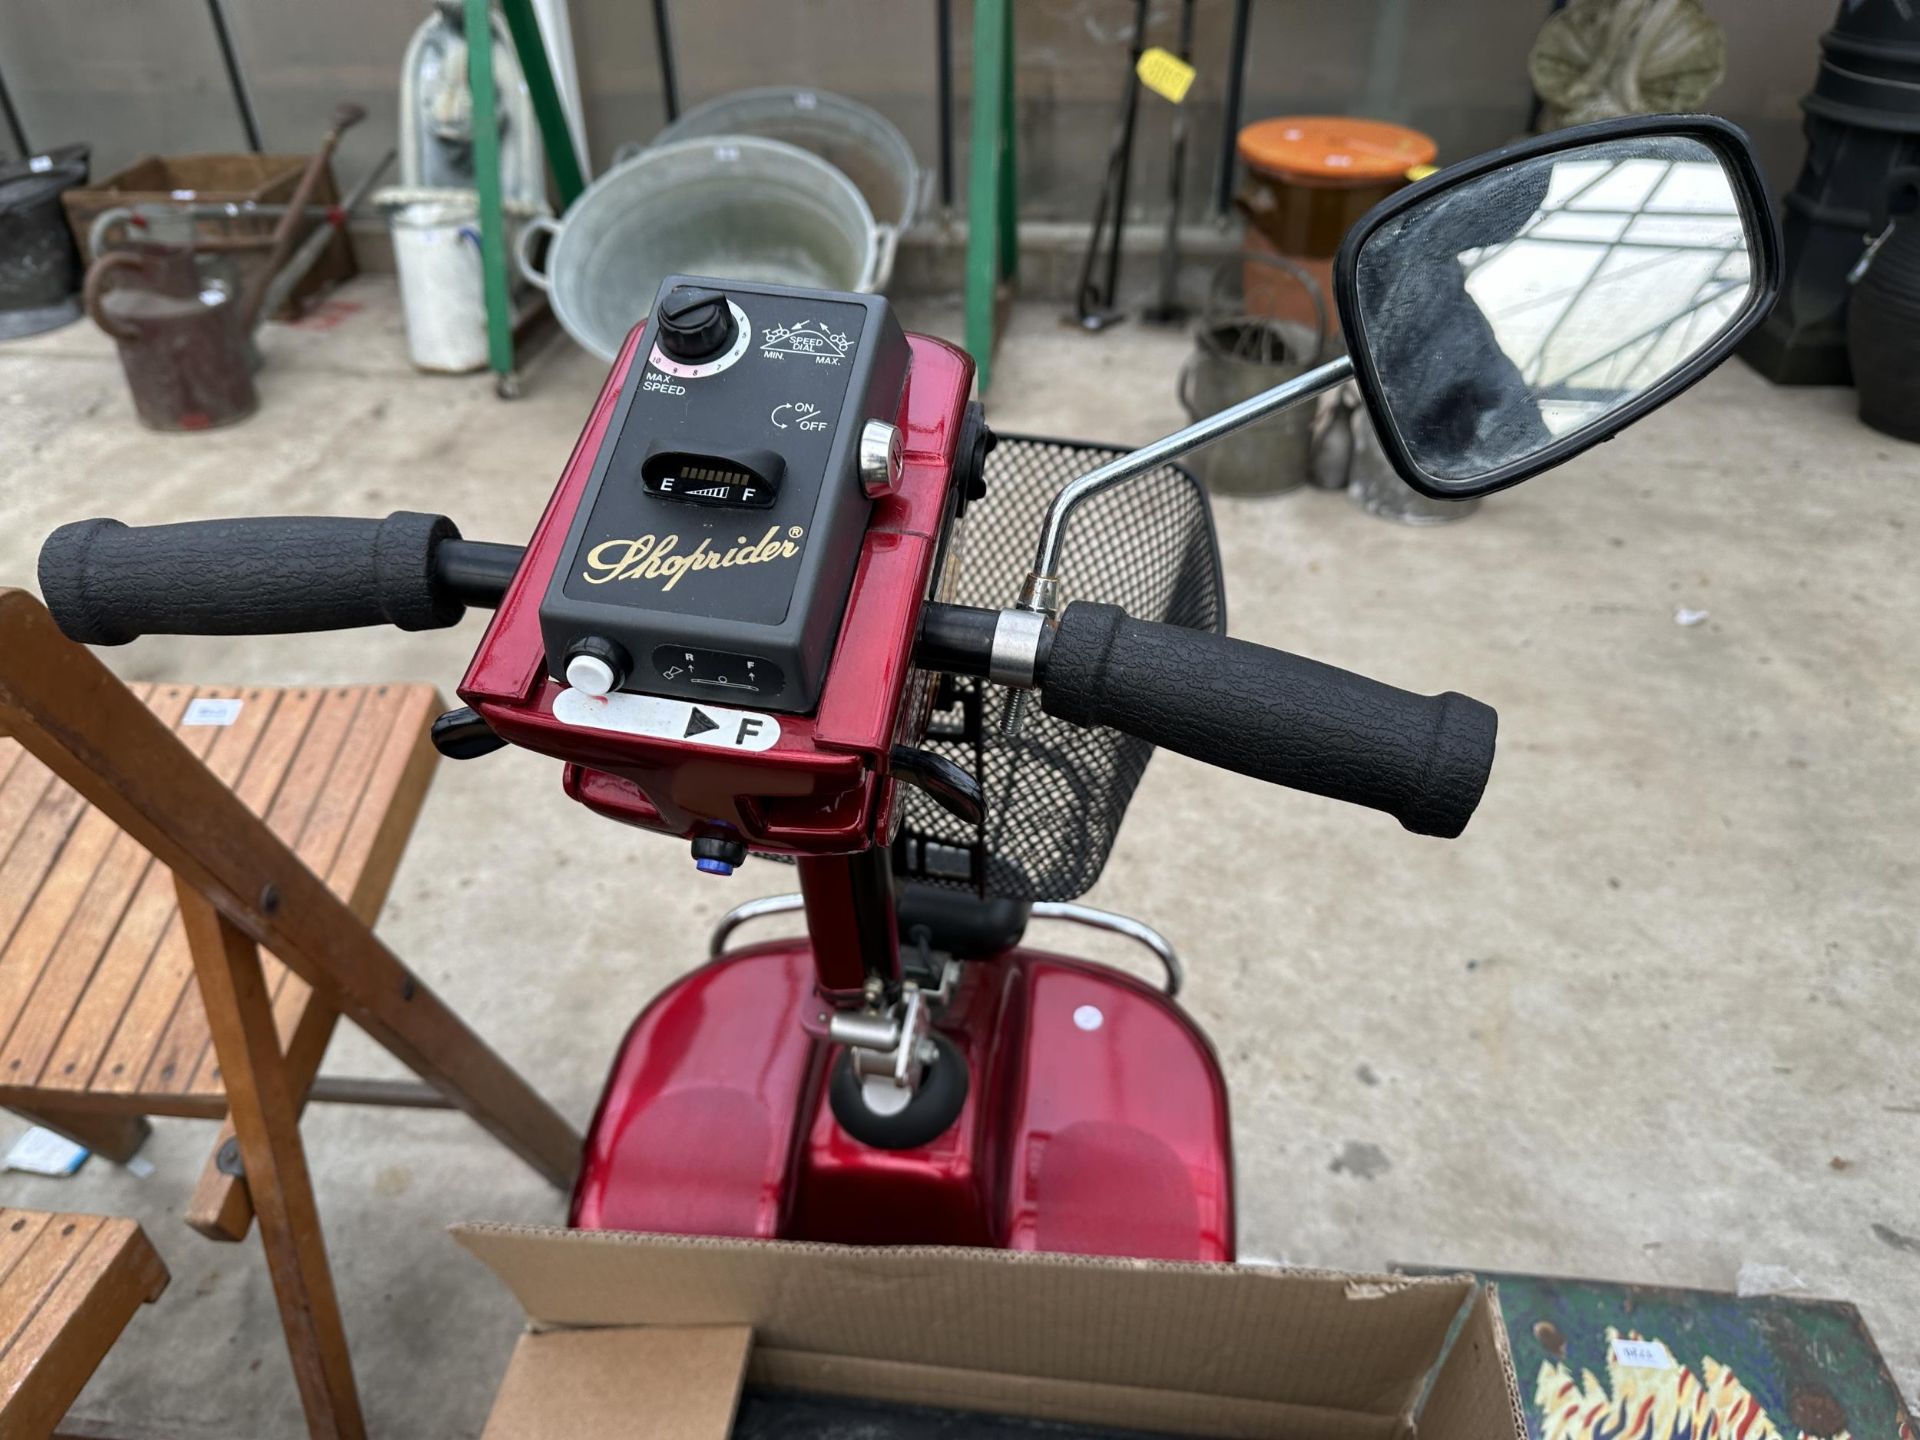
(1347, 456)
(1240, 351)
(436, 252)
(860, 143)
(736, 209)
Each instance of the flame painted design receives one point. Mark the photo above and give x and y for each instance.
(1639, 1403)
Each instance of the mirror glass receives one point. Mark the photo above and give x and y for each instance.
(1526, 304)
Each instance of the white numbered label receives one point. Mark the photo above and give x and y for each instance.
(1641, 1354)
(664, 719)
(209, 711)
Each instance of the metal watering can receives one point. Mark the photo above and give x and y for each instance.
(184, 336)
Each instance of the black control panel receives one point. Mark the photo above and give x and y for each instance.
(714, 546)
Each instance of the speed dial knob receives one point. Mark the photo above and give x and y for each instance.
(694, 324)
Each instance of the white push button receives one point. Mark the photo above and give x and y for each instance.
(590, 675)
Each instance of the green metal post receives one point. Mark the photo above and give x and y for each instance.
(992, 216)
(555, 133)
(486, 178)
(1009, 238)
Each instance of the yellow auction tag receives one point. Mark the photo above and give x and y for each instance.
(1165, 73)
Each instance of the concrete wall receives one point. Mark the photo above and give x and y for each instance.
(136, 76)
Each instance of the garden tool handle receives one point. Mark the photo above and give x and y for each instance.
(345, 116)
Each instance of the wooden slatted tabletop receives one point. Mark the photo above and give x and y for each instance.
(98, 1009)
(282, 836)
(68, 1286)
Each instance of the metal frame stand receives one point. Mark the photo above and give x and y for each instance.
(12, 118)
(663, 48)
(993, 236)
(1230, 118)
(943, 83)
(992, 242)
(555, 135)
(249, 123)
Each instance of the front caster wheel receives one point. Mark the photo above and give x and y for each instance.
(923, 1119)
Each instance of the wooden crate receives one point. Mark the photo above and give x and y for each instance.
(219, 179)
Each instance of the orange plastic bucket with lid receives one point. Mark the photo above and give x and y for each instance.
(1310, 177)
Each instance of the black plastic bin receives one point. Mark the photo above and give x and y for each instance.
(40, 270)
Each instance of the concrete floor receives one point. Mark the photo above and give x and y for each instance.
(1652, 1019)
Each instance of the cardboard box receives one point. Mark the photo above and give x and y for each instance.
(655, 1335)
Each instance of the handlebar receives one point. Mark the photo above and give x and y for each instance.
(1263, 713)
(1423, 759)
(107, 583)
(1259, 712)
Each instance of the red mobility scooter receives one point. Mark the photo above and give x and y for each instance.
(776, 607)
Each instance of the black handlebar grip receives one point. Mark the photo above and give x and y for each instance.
(107, 584)
(1421, 758)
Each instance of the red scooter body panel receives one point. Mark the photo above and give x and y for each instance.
(1096, 1121)
(695, 1130)
(1117, 1123)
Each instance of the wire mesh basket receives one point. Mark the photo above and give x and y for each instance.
(1057, 793)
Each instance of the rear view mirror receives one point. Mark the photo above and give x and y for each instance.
(1510, 312)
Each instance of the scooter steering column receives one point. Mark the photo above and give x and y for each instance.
(896, 1083)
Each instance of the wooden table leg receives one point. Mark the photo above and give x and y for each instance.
(113, 1137)
(266, 1118)
(220, 1209)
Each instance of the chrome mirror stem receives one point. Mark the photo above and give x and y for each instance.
(1040, 594)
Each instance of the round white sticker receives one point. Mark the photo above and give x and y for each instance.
(1088, 1017)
